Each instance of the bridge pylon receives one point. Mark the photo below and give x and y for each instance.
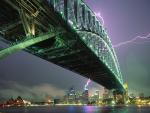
(121, 96)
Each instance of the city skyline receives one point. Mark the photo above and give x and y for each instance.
(23, 73)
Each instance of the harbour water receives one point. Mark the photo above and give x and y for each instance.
(77, 109)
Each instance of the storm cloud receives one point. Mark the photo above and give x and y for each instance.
(37, 92)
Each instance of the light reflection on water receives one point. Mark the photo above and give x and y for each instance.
(78, 109)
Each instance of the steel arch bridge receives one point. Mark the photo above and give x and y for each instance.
(65, 32)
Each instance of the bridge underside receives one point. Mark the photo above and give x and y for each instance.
(86, 64)
(65, 50)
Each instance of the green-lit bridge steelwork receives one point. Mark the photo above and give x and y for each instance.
(83, 47)
(26, 43)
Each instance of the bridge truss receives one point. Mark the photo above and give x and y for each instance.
(82, 44)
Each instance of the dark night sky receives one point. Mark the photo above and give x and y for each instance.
(29, 76)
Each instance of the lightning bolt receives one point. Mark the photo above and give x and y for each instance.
(147, 37)
(86, 85)
(98, 15)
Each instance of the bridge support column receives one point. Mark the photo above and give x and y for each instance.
(120, 97)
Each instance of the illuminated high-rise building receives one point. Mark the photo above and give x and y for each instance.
(85, 97)
(106, 94)
(71, 96)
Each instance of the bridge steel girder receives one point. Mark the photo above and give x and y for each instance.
(80, 21)
(63, 55)
(74, 60)
(91, 46)
(22, 45)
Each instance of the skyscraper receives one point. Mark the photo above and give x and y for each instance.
(71, 96)
(85, 97)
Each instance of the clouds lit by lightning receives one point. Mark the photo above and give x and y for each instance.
(98, 15)
(134, 40)
(146, 39)
(86, 85)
